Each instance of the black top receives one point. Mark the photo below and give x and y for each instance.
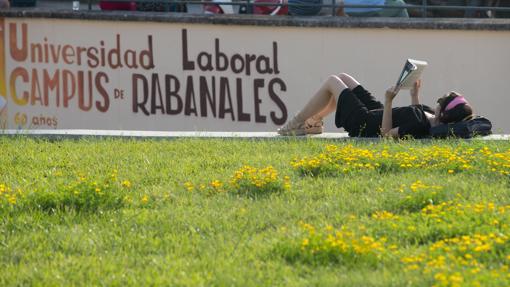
(410, 120)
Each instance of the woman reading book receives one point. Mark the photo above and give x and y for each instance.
(360, 114)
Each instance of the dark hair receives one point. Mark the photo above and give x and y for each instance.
(458, 113)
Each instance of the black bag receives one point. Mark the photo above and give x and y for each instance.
(478, 126)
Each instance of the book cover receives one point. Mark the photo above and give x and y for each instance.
(410, 73)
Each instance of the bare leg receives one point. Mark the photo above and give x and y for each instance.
(322, 103)
(350, 82)
(331, 107)
(328, 92)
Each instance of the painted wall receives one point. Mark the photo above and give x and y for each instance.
(70, 74)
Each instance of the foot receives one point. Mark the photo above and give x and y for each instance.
(294, 127)
(314, 126)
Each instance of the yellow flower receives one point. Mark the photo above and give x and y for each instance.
(413, 267)
(11, 199)
(145, 199)
(456, 279)
(440, 277)
(384, 215)
(216, 183)
(482, 248)
(189, 186)
(126, 183)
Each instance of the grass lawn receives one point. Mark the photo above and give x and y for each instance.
(203, 212)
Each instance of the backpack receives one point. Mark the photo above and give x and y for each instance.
(478, 126)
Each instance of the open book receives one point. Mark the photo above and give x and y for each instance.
(410, 73)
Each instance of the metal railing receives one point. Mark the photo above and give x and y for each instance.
(425, 8)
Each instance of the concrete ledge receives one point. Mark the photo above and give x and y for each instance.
(74, 134)
(258, 20)
(52, 134)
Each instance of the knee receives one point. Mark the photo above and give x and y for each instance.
(333, 79)
(343, 76)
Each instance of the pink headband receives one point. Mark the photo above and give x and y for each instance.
(455, 102)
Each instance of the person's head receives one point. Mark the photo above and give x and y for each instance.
(452, 108)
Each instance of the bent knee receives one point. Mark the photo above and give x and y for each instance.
(343, 76)
(333, 78)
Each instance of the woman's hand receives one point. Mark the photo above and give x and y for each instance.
(415, 90)
(387, 120)
(391, 93)
(415, 93)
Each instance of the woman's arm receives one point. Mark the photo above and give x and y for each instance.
(387, 120)
(415, 93)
